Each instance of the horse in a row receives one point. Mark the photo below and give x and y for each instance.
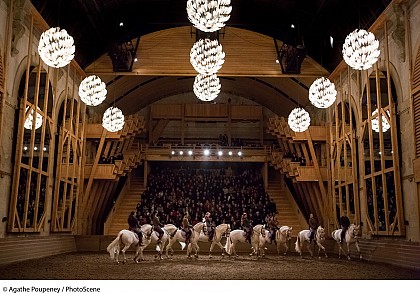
(125, 239)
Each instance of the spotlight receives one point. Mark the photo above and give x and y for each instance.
(35, 148)
(173, 152)
(292, 26)
(230, 153)
(190, 152)
(181, 152)
(45, 148)
(206, 152)
(220, 153)
(121, 24)
(135, 59)
(239, 153)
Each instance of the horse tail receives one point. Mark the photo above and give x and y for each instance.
(297, 244)
(113, 246)
(333, 234)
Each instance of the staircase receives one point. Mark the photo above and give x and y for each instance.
(125, 205)
(286, 212)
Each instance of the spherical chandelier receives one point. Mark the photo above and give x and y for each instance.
(299, 120)
(208, 15)
(113, 119)
(56, 47)
(206, 56)
(92, 91)
(30, 118)
(375, 122)
(361, 49)
(206, 87)
(322, 93)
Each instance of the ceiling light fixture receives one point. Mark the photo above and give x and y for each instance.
(361, 49)
(206, 87)
(375, 122)
(30, 118)
(56, 47)
(208, 15)
(322, 93)
(92, 90)
(113, 119)
(206, 56)
(299, 120)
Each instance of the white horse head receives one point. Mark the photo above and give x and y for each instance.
(351, 237)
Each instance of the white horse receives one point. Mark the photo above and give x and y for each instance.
(219, 231)
(352, 236)
(179, 235)
(240, 236)
(123, 242)
(283, 236)
(305, 236)
(154, 237)
(263, 239)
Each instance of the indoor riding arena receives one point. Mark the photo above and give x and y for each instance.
(209, 140)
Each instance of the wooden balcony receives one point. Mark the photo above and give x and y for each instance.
(318, 133)
(280, 128)
(105, 171)
(343, 173)
(133, 125)
(181, 153)
(309, 174)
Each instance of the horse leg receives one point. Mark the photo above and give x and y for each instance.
(123, 252)
(348, 251)
(358, 250)
(287, 248)
(319, 250)
(221, 248)
(309, 249)
(211, 249)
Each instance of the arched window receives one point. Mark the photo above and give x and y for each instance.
(344, 162)
(379, 139)
(33, 138)
(68, 164)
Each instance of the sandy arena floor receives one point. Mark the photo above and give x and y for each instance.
(98, 266)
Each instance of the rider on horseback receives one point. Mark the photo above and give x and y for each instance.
(273, 225)
(210, 228)
(313, 225)
(157, 226)
(246, 226)
(186, 227)
(133, 225)
(345, 224)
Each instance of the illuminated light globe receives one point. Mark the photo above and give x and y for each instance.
(113, 119)
(29, 120)
(206, 87)
(56, 47)
(206, 56)
(299, 120)
(375, 122)
(208, 15)
(92, 91)
(361, 49)
(322, 93)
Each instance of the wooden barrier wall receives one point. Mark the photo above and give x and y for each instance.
(24, 248)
